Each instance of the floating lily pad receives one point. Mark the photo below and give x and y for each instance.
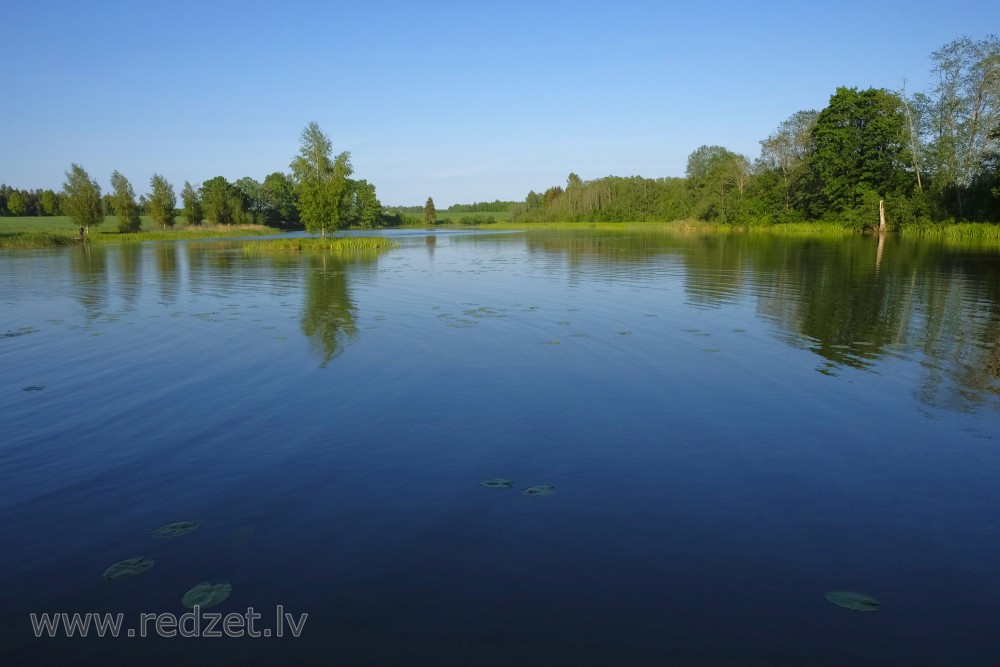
(128, 568)
(540, 490)
(206, 595)
(175, 529)
(497, 483)
(853, 601)
(33, 387)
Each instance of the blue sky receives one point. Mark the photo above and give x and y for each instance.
(456, 100)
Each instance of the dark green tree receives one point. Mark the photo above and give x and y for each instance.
(220, 201)
(252, 195)
(368, 207)
(278, 191)
(430, 213)
(859, 147)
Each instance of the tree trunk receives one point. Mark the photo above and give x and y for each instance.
(881, 216)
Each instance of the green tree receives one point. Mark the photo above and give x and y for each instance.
(15, 203)
(82, 198)
(859, 146)
(786, 152)
(961, 112)
(220, 201)
(718, 179)
(49, 202)
(123, 203)
(162, 202)
(192, 205)
(252, 195)
(278, 191)
(430, 213)
(323, 183)
(369, 209)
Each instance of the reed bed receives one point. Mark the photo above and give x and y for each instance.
(955, 230)
(35, 240)
(350, 245)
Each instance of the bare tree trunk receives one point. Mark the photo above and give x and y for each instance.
(881, 217)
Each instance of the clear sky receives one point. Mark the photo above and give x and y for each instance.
(462, 101)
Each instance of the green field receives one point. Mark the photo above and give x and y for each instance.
(48, 231)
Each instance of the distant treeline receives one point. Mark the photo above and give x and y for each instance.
(318, 194)
(932, 157)
(455, 209)
(29, 202)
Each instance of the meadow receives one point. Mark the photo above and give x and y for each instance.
(50, 231)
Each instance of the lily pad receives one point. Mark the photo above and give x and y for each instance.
(497, 483)
(128, 568)
(33, 387)
(206, 595)
(853, 601)
(540, 490)
(175, 529)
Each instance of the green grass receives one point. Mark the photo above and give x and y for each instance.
(806, 229)
(960, 230)
(350, 245)
(45, 232)
(33, 240)
(677, 225)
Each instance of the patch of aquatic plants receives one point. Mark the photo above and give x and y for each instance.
(960, 230)
(350, 245)
(202, 595)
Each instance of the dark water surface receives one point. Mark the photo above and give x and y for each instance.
(734, 426)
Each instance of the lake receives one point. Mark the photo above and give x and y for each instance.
(734, 425)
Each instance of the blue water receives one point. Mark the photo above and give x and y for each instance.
(734, 427)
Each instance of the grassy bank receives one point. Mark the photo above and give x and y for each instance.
(350, 245)
(956, 231)
(47, 232)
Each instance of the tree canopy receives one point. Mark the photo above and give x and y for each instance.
(82, 198)
(323, 183)
(162, 202)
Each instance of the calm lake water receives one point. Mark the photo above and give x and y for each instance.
(734, 426)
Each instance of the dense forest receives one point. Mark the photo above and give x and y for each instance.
(932, 156)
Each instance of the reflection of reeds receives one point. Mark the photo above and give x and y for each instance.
(372, 244)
